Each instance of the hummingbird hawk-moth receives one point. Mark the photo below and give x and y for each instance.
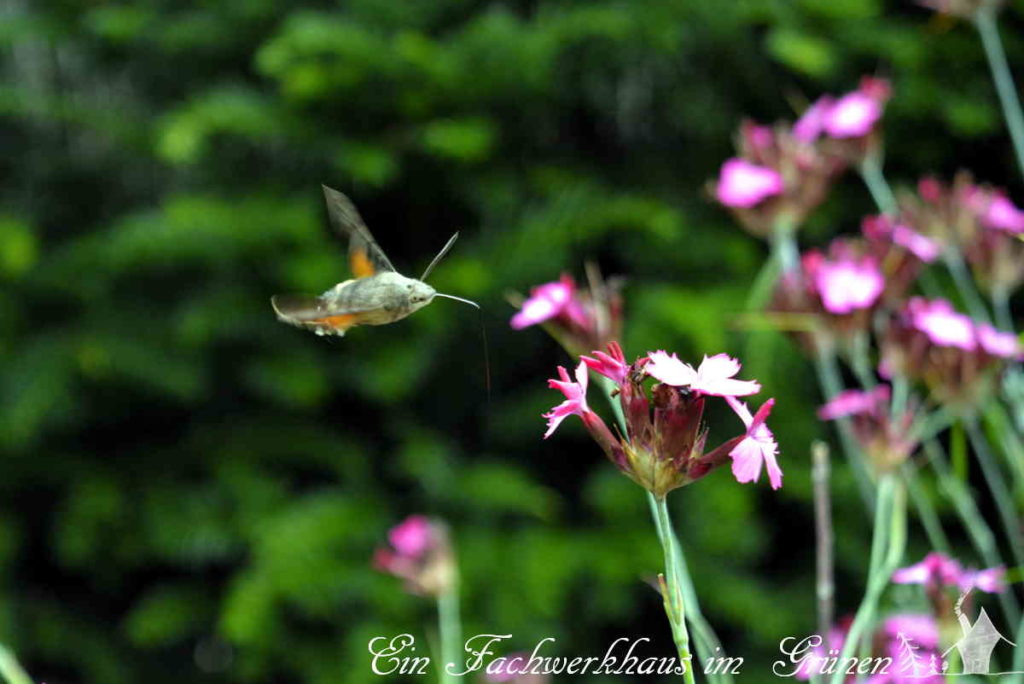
(377, 294)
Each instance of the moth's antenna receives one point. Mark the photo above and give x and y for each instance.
(440, 255)
(483, 330)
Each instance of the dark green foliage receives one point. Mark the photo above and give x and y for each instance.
(193, 492)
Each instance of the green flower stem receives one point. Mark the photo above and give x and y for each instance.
(954, 261)
(988, 28)
(785, 252)
(887, 545)
(830, 380)
(10, 669)
(982, 537)
(1001, 307)
(925, 511)
(675, 604)
(705, 639)
(997, 487)
(450, 631)
(871, 173)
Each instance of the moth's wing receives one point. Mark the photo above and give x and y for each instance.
(364, 254)
(306, 311)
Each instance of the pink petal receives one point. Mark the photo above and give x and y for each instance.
(811, 123)
(669, 369)
(412, 536)
(713, 377)
(744, 185)
(846, 285)
(852, 116)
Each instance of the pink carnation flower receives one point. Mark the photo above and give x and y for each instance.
(548, 301)
(941, 323)
(743, 185)
(852, 116)
(998, 343)
(714, 376)
(855, 402)
(1002, 214)
(848, 284)
(939, 570)
(411, 537)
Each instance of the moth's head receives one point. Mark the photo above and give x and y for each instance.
(420, 294)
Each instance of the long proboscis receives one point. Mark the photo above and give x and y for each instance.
(440, 255)
(483, 335)
(459, 299)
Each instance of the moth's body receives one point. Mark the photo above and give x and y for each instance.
(385, 298)
(376, 296)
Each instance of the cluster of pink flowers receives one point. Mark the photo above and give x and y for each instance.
(909, 640)
(886, 440)
(420, 554)
(578, 319)
(782, 173)
(938, 571)
(979, 220)
(951, 353)
(664, 444)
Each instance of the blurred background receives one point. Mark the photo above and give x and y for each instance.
(191, 491)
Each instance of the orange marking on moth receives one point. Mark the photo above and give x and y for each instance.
(361, 265)
(339, 322)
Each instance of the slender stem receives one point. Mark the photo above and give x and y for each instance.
(10, 669)
(978, 530)
(996, 485)
(784, 248)
(830, 380)
(860, 360)
(450, 630)
(675, 604)
(1001, 307)
(925, 511)
(887, 545)
(825, 586)
(954, 261)
(988, 28)
(873, 177)
(706, 641)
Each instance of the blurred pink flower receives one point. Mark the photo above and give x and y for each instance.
(924, 248)
(578, 319)
(548, 301)
(420, 554)
(811, 123)
(855, 402)
(411, 537)
(852, 115)
(943, 325)
(1001, 214)
(939, 570)
(714, 376)
(757, 447)
(744, 185)
(998, 343)
(575, 397)
(848, 284)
